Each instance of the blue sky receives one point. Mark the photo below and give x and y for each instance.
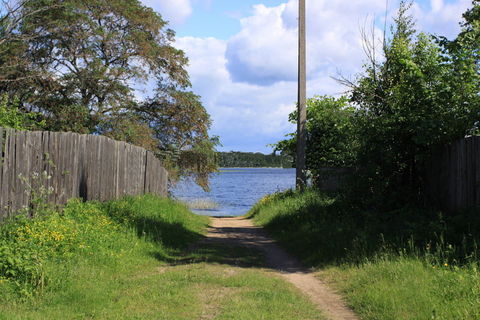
(243, 55)
(219, 19)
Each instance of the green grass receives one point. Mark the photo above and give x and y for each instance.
(409, 288)
(132, 259)
(382, 275)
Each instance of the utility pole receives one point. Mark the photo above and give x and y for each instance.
(301, 179)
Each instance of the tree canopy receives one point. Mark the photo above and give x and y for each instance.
(106, 67)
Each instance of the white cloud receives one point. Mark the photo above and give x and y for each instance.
(176, 12)
(437, 5)
(443, 19)
(207, 70)
(207, 4)
(243, 113)
(265, 50)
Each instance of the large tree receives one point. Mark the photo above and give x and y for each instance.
(108, 67)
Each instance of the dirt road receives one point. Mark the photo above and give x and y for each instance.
(238, 231)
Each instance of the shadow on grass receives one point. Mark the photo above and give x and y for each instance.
(215, 253)
(218, 253)
(239, 251)
(173, 235)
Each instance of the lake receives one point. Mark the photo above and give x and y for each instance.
(235, 191)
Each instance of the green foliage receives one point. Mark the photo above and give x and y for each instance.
(12, 117)
(129, 258)
(329, 132)
(38, 195)
(330, 139)
(349, 234)
(464, 74)
(421, 95)
(301, 221)
(252, 160)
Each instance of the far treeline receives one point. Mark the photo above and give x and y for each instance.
(237, 159)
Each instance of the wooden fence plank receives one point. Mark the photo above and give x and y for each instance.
(7, 168)
(81, 186)
(469, 173)
(122, 167)
(51, 166)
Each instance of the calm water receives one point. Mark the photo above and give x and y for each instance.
(237, 190)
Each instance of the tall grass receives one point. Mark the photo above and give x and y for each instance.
(429, 269)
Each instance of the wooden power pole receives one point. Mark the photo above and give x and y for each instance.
(301, 179)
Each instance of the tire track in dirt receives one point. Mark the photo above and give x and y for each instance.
(239, 231)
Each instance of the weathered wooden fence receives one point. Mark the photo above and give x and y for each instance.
(87, 166)
(453, 176)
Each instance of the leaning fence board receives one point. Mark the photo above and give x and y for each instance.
(4, 169)
(11, 204)
(86, 166)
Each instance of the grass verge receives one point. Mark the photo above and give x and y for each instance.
(130, 258)
(383, 275)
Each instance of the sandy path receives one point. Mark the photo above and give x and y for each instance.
(238, 231)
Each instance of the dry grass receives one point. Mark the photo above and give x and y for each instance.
(202, 204)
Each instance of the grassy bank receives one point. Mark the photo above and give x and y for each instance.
(130, 259)
(427, 270)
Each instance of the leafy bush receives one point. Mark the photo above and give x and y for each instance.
(12, 117)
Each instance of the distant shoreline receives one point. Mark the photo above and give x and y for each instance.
(220, 168)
